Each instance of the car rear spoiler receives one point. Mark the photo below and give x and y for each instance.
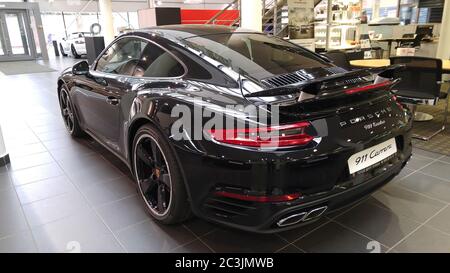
(315, 85)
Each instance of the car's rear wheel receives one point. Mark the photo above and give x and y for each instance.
(62, 50)
(74, 52)
(68, 114)
(159, 180)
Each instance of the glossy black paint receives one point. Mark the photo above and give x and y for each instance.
(111, 108)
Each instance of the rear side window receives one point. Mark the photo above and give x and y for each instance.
(158, 63)
(122, 57)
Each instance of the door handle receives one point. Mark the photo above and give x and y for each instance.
(112, 100)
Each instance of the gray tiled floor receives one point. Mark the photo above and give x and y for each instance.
(59, 192)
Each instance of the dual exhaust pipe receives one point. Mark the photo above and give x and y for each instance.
(301, 217)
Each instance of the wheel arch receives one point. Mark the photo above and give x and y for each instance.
(60, 84)
(132, 130)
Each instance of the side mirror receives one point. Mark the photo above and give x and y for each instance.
(80, 68)
(63, 39)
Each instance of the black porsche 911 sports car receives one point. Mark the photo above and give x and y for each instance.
(172, 102)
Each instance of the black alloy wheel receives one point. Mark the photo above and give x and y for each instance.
(158, 178)
(68, 115)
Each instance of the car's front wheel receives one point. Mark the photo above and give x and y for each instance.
(61, 48)
(159, 180)
(68, 114)
(74, 52)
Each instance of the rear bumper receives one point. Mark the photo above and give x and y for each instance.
(332, 202)
(324, 183)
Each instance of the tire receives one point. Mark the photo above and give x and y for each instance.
(153, 182)
(68, 114)
(62, 50)
(74, 52)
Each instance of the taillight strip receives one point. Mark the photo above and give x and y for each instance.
(367, 87)
(259, 198)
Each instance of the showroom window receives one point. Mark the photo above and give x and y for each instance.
(408, 11)
(156, 62)
(388, 8)
(58, 25)
(121, 57)
(367, 8)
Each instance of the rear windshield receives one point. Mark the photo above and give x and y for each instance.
(253, 54)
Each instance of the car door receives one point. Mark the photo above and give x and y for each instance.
(98, 96)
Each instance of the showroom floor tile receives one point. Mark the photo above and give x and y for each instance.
(148, 236)
(65, 195)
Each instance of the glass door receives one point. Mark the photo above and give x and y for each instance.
(3, 49)
(16, 41)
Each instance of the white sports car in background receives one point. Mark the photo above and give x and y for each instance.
(74, 44)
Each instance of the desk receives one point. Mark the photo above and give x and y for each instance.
(384, 62)
(390, 40)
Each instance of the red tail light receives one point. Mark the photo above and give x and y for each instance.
(367, 87)
(272, 136)
(260, 198)
(397, 102)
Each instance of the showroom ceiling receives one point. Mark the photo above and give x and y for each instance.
(127, 5)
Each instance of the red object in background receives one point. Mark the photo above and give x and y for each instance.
(201, 16)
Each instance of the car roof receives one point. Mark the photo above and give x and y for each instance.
(180, 32)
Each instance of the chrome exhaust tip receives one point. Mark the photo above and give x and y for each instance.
(291, 219)
(317, 212)
(301, 217)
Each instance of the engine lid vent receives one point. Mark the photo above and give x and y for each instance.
(286, 79)
(335, 69)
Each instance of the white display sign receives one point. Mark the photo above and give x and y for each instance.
(301, 19)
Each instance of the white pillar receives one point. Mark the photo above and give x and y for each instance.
(106, 20)
(443, 51)
(79, 22)
(376, 9)
(251, 14)
(4, 157)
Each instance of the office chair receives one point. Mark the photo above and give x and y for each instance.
(420, 84)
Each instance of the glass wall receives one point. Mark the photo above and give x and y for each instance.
(53, 26)
(388, 8)
(58, 25)
(367, 9)
(407, 11)
(424, 14)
